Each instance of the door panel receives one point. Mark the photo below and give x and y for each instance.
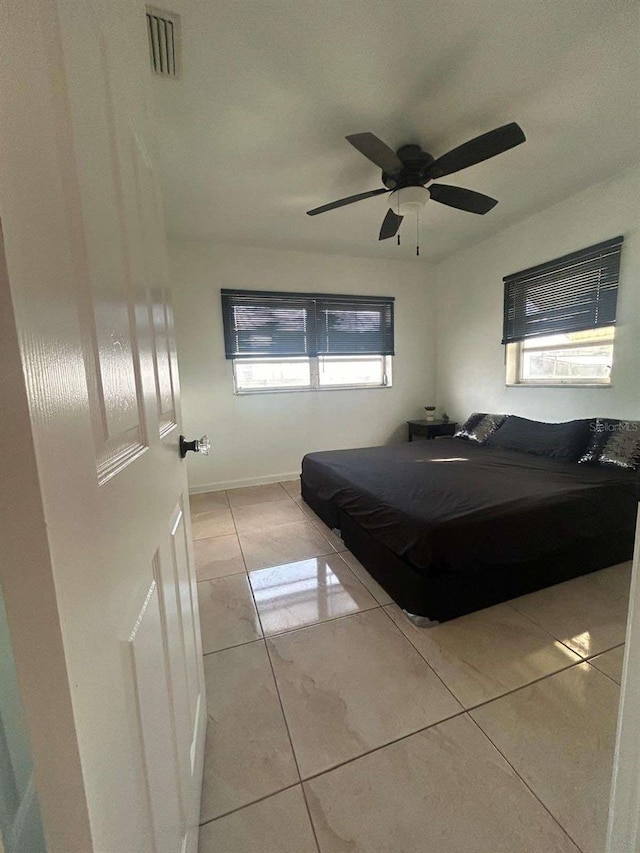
(150, 265)
(190, 634)
(152, 686)
(184, 673)
(112, 370)
(159, 309)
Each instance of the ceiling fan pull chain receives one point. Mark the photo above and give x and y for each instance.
(398, 238)
(418, 233)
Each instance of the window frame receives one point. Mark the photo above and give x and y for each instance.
(514, 362)
(314, 372)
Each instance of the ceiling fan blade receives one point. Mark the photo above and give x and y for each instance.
(468, 200)
(390, 225)
(349, 200)
(476, 150)
(374, 149)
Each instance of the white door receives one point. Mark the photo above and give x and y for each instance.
(86, 259)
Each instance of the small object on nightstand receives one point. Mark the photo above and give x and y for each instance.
(431, 413)
(430, 429)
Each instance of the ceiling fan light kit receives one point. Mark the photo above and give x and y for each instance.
(408, 200)
(407, 171)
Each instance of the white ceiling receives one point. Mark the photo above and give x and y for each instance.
(252, 135)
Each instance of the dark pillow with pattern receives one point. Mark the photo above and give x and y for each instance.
(564, 442)
(472, 421)
(479, 426)
(601, 430)
(622, 448)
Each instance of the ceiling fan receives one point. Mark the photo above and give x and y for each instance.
(407, 171)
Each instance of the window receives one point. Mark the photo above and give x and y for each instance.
(311, 374)
(559, 319)
(357, 370)
(572, 358)
(272, 373)
(295, 341)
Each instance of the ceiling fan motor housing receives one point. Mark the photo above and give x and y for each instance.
(415, 173)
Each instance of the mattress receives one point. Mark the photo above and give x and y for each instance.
(451, 506)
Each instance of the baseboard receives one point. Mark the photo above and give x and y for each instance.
(239, 484)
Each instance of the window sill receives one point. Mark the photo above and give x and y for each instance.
(260, 391)
(558, 385)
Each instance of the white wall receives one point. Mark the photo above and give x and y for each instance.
(471, 370)
(261, 438)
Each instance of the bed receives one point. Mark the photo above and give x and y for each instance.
(449, 526)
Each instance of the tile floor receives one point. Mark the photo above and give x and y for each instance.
(337, 726)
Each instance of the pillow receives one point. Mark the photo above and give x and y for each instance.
(601, 431)
(622, 447)
(479, 426)
(472, 421)
(564, 442)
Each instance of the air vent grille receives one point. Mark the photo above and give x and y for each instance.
(163, 30)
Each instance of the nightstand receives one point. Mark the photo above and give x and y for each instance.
(430, 429)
